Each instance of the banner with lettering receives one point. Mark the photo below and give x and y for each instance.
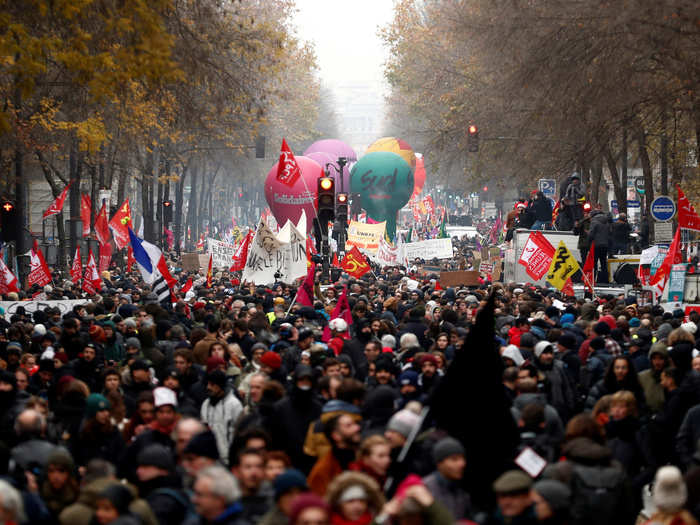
(365, 236)
(427, 250)
(221, 252)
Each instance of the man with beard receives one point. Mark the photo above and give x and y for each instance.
(71, 340)
(355, 348)
(292, 415)
(87, 368)
(430, 375)
(291, 356)
(220, 411)
(343, 432)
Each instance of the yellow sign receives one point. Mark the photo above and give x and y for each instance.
(563, 266)
(365, 236)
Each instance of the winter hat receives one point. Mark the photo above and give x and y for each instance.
(156, 455)
(669, 492)
(567, 340)
(303, 371)
(138, 364)
(601, 328)
(306, 501)
(634, 322)
(49, 353)
(218, 378)
(47, 365)
(61, 458)
(132, 342)
(690, 326)
(429, 358)
(14, 345)
(681, 354)
(39, 330)
(338, 325)
(119, 496)
(353, 492)
(512, 482)
(597, 343)
(96, 403)
(203, 444)
(403, 422)
(542, 347)
(409, 377)
(214, 362)
(512, 352)
(660, 348)
(527, 340)
(555, 493)
(271, 359)
(62, 357)
(163, 396)
(288, 480)
(446, 447)
(664, 330)
(566, 319)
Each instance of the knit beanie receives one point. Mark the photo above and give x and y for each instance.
(96, 403)
(62, 458)
(541, 347)
(217, 377)
(204, 445)
(271, 359)
(403, 422)
(669, 492)
(119, 496)
(132, 342)
(214, 362)
(303, 502)
(156, 456)
(288, 480)
(445, 448)
(555, 493)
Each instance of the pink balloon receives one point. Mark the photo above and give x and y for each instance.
(287, 202)
(335, 148)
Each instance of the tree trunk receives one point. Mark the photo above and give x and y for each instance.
(622, 204)
(648, 181)
(597, 176)
(192, 205)
(620, 193)
(664, 156)
(179, 206)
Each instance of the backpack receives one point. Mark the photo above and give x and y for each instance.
(597, 494)
(190, 514)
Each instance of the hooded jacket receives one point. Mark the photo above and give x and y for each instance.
(600, 229)
(553, 424)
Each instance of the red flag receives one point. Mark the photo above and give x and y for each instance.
(354, 263)
(120, 224)
(305, 293)
(39, 273)
(687, 216)
(288, 170)
(437, 286)
(91, 280)
(537, 255)
(85, 210)
(57, 205)
(169, 238)
(210, 275)
(241, 254)
(76, 271)
(334, 262)
(342, 310)
(588, 267)
(568, 288)
(187, 287)
(129, 258)
(101, 226)
(105, 256)
(8, 280)
(662, 272)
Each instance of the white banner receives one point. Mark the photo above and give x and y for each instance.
(221, 253)
(264, 257)
(387, 255)
(427, 250)
(294, 252)
(30, 307)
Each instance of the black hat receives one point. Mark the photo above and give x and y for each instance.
(203, 444)
(567, 340)
(139, 364)
(597, 343)
(601, 328)
(288, 480)
(120, 496)
(217, 377)
(47, 365)
(156, 456)
(302, 371)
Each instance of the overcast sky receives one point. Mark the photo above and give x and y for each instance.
(345, 34)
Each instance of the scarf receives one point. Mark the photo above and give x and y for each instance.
(164, 430)
(337, 519)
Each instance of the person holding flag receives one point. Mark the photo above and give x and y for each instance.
(153, 268)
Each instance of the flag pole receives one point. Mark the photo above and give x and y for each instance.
(292, 304)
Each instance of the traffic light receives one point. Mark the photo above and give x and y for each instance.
(326, 199)
(9, 221)
(260, 147)
(167, 211)
(473, 138)
(341, 207)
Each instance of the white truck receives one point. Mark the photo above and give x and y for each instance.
(515, 272)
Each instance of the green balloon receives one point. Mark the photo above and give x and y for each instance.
(385, 183)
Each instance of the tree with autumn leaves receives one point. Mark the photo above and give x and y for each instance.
(148, 97)
(554, 86)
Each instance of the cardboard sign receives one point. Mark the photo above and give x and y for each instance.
(190, 262)
(221, 253)
(427, 250)
(485, 267)
(460, 278)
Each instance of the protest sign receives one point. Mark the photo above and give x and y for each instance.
(190, 262)
(485, 267)
(427, 250)
(265, 258)
(459, 278)
(387, 255)
(365, 236)
(221, 253)
(676, 283)
(30, 307)
(293, 247)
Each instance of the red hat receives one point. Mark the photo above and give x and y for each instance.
(271, 359)
(305, 501)
(214, 362)
(97, 334)
(62, 357)
(429, 358)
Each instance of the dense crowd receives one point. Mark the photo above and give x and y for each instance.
(495, 404)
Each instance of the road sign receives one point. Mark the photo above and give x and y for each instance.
(663, 232)
(663, 208)
(639, 184)
(633, 204)
(547, 186)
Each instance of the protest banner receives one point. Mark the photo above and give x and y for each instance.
(537, 255)
(221, 253)
(486, 267)
(265, 258)
(676, 283)
(427, 250)
(30, 307)
(459, 278)
(365, 236)
(387, 255)
(293, 247)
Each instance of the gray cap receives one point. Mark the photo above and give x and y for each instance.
(132, 342)
(555, 493)
(445, 448)
(512, 481)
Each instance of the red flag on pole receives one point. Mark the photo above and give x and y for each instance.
(354, 263)
(210, 274)
(660, 278)
(288, 170)
(129, 258)
(342, 310)
(120, 224)
(57, 205)
(687, 216)
(589, 267)
(241, 254)
(39, 273)
(85, 211)
(537, 255)
(105, 256)
(101, 226)
(8, 280)
(334, 262)
(76, 271)
(305, 293)
(91, 280)
(187, 287)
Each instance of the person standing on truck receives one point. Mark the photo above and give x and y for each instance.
(620, 230)
(600, 235)
(581, 228)
(542, 210)
(572, 197)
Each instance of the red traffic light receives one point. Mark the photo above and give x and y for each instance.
(8, 206)
(326, 183)
(342, 198)
(473, 130)
(167, 204)
(486, 188)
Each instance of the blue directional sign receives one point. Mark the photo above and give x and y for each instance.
(547, 186)
(663, 208)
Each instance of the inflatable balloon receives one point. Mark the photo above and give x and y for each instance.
(419, 176)
(323, 159)
(335, 148)
(398, 146)
(287, 202)
(384, 181)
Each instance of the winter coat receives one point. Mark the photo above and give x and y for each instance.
(166, 498)
(687, 437)
(126, 467)
(255, 506)
(221, 418)
(326, 468)
(553, 424)
(316, 444)
(561, 394)
(600, 229)
(450, 494)
(33, 451)
(582, 229)
(274, 516)
(542, 209)
(620, 232)
(629, 443)
(653, 391)
(109, 446)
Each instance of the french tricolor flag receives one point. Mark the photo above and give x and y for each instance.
(153, 267)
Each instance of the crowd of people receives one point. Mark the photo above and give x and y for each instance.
(498, 404)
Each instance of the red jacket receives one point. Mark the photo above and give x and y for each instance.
(514, 334)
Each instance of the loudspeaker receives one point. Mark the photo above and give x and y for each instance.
(625, 274)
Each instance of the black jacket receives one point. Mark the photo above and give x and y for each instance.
(166, 498)
(600, 229)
